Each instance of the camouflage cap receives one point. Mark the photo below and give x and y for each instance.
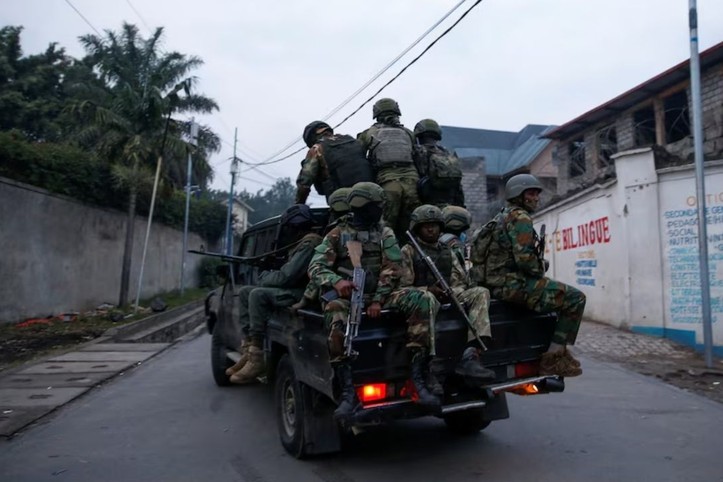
(385, 106)
(518, 184)
(338, 200)
(426, 213)
(456, 218)
(363, 193)
(429, 127)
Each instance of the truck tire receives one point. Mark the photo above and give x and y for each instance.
(290, 408)
(467, 422)
(219, 358)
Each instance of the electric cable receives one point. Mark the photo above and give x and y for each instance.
(83, 17)
(139, 16)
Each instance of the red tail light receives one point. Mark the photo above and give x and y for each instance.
(372, 392)
(527, 369)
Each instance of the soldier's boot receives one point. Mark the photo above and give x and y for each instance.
(559, 363)
(255, 367)
(419, 372)
(244, 351)
(471, 368)
(348, 401)
(434, 377)
(572, 359)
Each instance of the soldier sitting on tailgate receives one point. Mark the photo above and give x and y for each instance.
(457, 221)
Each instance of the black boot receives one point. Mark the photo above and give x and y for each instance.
(419, 375)
(435, 377)
(348, 401)
(470, 367)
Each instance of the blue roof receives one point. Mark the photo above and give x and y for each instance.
(504, 152)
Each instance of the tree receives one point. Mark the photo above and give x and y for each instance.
(271, 202)
(129, 121)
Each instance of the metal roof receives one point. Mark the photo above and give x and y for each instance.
(636, 95)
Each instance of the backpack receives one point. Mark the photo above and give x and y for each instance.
(391, 147)
(346, 163)
(443, 166)
(481, 242)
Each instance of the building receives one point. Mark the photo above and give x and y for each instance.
(240, 213)
(654, 113)
(490, 157)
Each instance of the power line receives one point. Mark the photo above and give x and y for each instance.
(449, 29)
(83, 17)
(139, 16)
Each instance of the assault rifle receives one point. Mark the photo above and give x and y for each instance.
(446, 289)
(356, 308)
(541, 247)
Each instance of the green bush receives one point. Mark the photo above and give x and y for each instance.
(207, 277)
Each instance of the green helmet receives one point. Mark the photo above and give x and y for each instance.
(429, 127)
(338, 200)
(518, 184)
(385, 106)
(426, 213)
(456, 218)
(363, 193)
(312, 131)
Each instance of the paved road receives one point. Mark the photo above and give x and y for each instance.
(166, 420)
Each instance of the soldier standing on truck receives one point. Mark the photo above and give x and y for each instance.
(332, 161)
(440, 175)
(457, 221)
(508, 259)
(274, 290)
(381, 259)
(426, 225)
(390, 149)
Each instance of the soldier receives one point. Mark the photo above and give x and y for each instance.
(506, 258)
(333, 161)
(440, 175)
(381, 259)
(426, 225)
(457, 221)
(390, 149)
(275, 289)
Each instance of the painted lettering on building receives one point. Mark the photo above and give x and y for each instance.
(590, 233)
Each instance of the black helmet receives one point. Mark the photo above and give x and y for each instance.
(297, 215)
(312, 131)
(428, 127)
(385, 106)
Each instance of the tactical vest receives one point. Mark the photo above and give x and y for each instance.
(371, 258)
(441, 255)
(391, 147)
(346, 164)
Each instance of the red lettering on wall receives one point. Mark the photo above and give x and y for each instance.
(592, 232)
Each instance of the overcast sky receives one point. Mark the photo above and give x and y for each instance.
(275, 65)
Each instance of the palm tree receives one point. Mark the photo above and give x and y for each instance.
(130, 123)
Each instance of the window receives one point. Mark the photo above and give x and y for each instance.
(677, 125)
(644, 126)
(576, 153)
(607, 145)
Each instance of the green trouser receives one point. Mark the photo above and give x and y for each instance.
(477, 301)
(544, 295)
(401, 200)
(257, 304)
(417, 305)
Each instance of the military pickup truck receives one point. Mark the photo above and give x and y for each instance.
(305, 392)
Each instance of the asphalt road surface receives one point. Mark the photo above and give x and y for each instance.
(167, 420)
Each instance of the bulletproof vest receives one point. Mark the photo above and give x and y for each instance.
(391, 147)
(345, 162)
(441, 255)
(371, 259)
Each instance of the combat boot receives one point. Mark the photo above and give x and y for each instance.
(470, 367)
(434, 377)
(255, 367)
(419, 369)
(348, 401)
(559, 363)
(244, 351)
(572, 359)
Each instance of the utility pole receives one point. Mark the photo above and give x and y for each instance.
(193, 143)
(234, 170)
(700, 182)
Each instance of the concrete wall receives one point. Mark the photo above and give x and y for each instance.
(631, 246)
(60, 255)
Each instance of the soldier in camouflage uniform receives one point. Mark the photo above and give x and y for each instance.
(275, 289)
(440, 175)
(506, 259)
(381, 259)
(338, 216)
(332, 161)
(390, 148)
(457, 221)
(426, 225)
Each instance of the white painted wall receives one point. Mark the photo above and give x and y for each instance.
(631, 246)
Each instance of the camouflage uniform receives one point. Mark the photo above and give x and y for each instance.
(512, 271)
(313, 171)
(439, 170)
(456, 221)
(399, 182)
(419, 306)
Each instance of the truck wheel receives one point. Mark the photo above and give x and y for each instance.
(467, 422)
(290, 410)
(219, 358)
